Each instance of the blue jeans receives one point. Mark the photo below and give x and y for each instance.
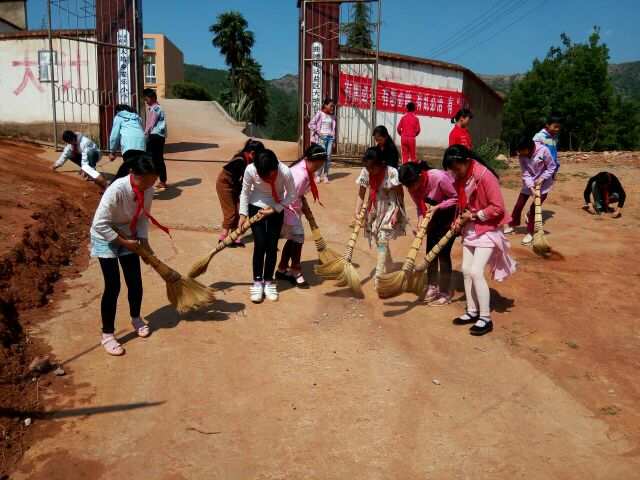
(326, 141)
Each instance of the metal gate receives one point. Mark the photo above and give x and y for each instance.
(326, 63)
(94, 63)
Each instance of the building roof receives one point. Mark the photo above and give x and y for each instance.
(424, 61)
(45, 34)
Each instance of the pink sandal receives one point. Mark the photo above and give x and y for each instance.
(141, 327)
(111, 345)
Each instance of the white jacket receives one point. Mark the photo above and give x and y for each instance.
(257, 192)
(85, 145)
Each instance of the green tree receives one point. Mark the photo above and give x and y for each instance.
(573, 81)
(359, 30)
(234, 41)
(251, 83)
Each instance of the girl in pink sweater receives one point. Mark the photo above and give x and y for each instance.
(480, 203)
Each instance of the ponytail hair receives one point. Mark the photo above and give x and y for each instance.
(411, 172)
(461, 154)
(251, 145)
(463, 112)
(140, 165)
(314, 153)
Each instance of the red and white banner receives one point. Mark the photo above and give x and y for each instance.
(356, 91)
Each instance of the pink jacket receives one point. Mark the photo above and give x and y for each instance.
(539, 167)
(315, 123)
(440, 189)
(301, 180)
(485, 199)
(409, 125)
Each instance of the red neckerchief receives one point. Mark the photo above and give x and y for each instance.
(74, 148)
(140, 197)
(463, 201)
(272, 181)
(312, 184)
(423, 191)
(246, 158)
(605, 188)
(374, 185)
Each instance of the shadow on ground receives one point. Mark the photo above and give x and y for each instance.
(180, 147)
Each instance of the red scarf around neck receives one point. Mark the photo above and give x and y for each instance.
(312, 184)
(140, 198)
(605, 189)
(423, 191)
(246, 158)
(374, 185)
(463, 201)
(272, 181)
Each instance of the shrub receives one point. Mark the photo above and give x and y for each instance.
(488, 152)
(190, 91)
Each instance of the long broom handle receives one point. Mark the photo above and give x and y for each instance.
(453, 231)
(538, 213)
(356, 228)
(232, 237)
(308, 214)
(166, 272)
(409, 261)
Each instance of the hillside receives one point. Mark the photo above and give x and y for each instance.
(625, 78)
(212, 79)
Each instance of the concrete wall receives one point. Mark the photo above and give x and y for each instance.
(25, 100)
(169, 64)
(354, 123)
(14, 13)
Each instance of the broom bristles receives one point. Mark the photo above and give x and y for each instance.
(540, 245)
(188, 294)
(200, 266)
(391, 284)
(332, 269)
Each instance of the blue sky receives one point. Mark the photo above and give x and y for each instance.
(411, 27)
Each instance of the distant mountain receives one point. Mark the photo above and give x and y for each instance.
(625, 78)
(288, 83)
(213, 79)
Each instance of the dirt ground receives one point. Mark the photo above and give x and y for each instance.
(322, 385)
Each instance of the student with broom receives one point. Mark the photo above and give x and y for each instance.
(537, 166)
(433, 190)
(606, 189)
(229, 187)
(303, 172)
(385, 218)
(267, 188)
(124, 206)
(481, 205)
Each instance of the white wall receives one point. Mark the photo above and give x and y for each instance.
(24, 99)
(434, 130)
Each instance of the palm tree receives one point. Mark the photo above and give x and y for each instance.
(234, 41)
(250, 82)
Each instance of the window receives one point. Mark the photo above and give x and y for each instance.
(44, 66)
(149, 43)
(150, 69)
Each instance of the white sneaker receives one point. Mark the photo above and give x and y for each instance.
(257, 292)
(528, 239)
(508, 230)
(271, 292)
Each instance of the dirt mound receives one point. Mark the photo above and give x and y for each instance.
(45, 218)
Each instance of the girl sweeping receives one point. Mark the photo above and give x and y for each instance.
(124, 206)
(459, 134)
(303, 172)
(323, 132)
(537, 166)
(267, 187)
(229, 187)
(385, 218)
(433, 190)
(480, 203)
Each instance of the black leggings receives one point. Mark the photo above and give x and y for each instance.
(133, 278)
(439, 225)
(266, 234)
(155, 146)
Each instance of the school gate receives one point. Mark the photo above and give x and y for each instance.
(71, 74)
(373, 87)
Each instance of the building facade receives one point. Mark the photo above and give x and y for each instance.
(163, 63)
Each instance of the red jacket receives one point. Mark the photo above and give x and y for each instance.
(485, 199)
(460, 136)
(409, 125)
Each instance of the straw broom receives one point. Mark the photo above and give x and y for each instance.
(325, 253)
(416, 279)
(392, 284)
(183, 293)
(540, 244)
(201, 265)
(341, 269)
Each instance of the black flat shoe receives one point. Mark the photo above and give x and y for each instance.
(284, 276)
(303, 285)
(460, 321)
(479, 331)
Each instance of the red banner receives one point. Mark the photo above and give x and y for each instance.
(356, 91)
